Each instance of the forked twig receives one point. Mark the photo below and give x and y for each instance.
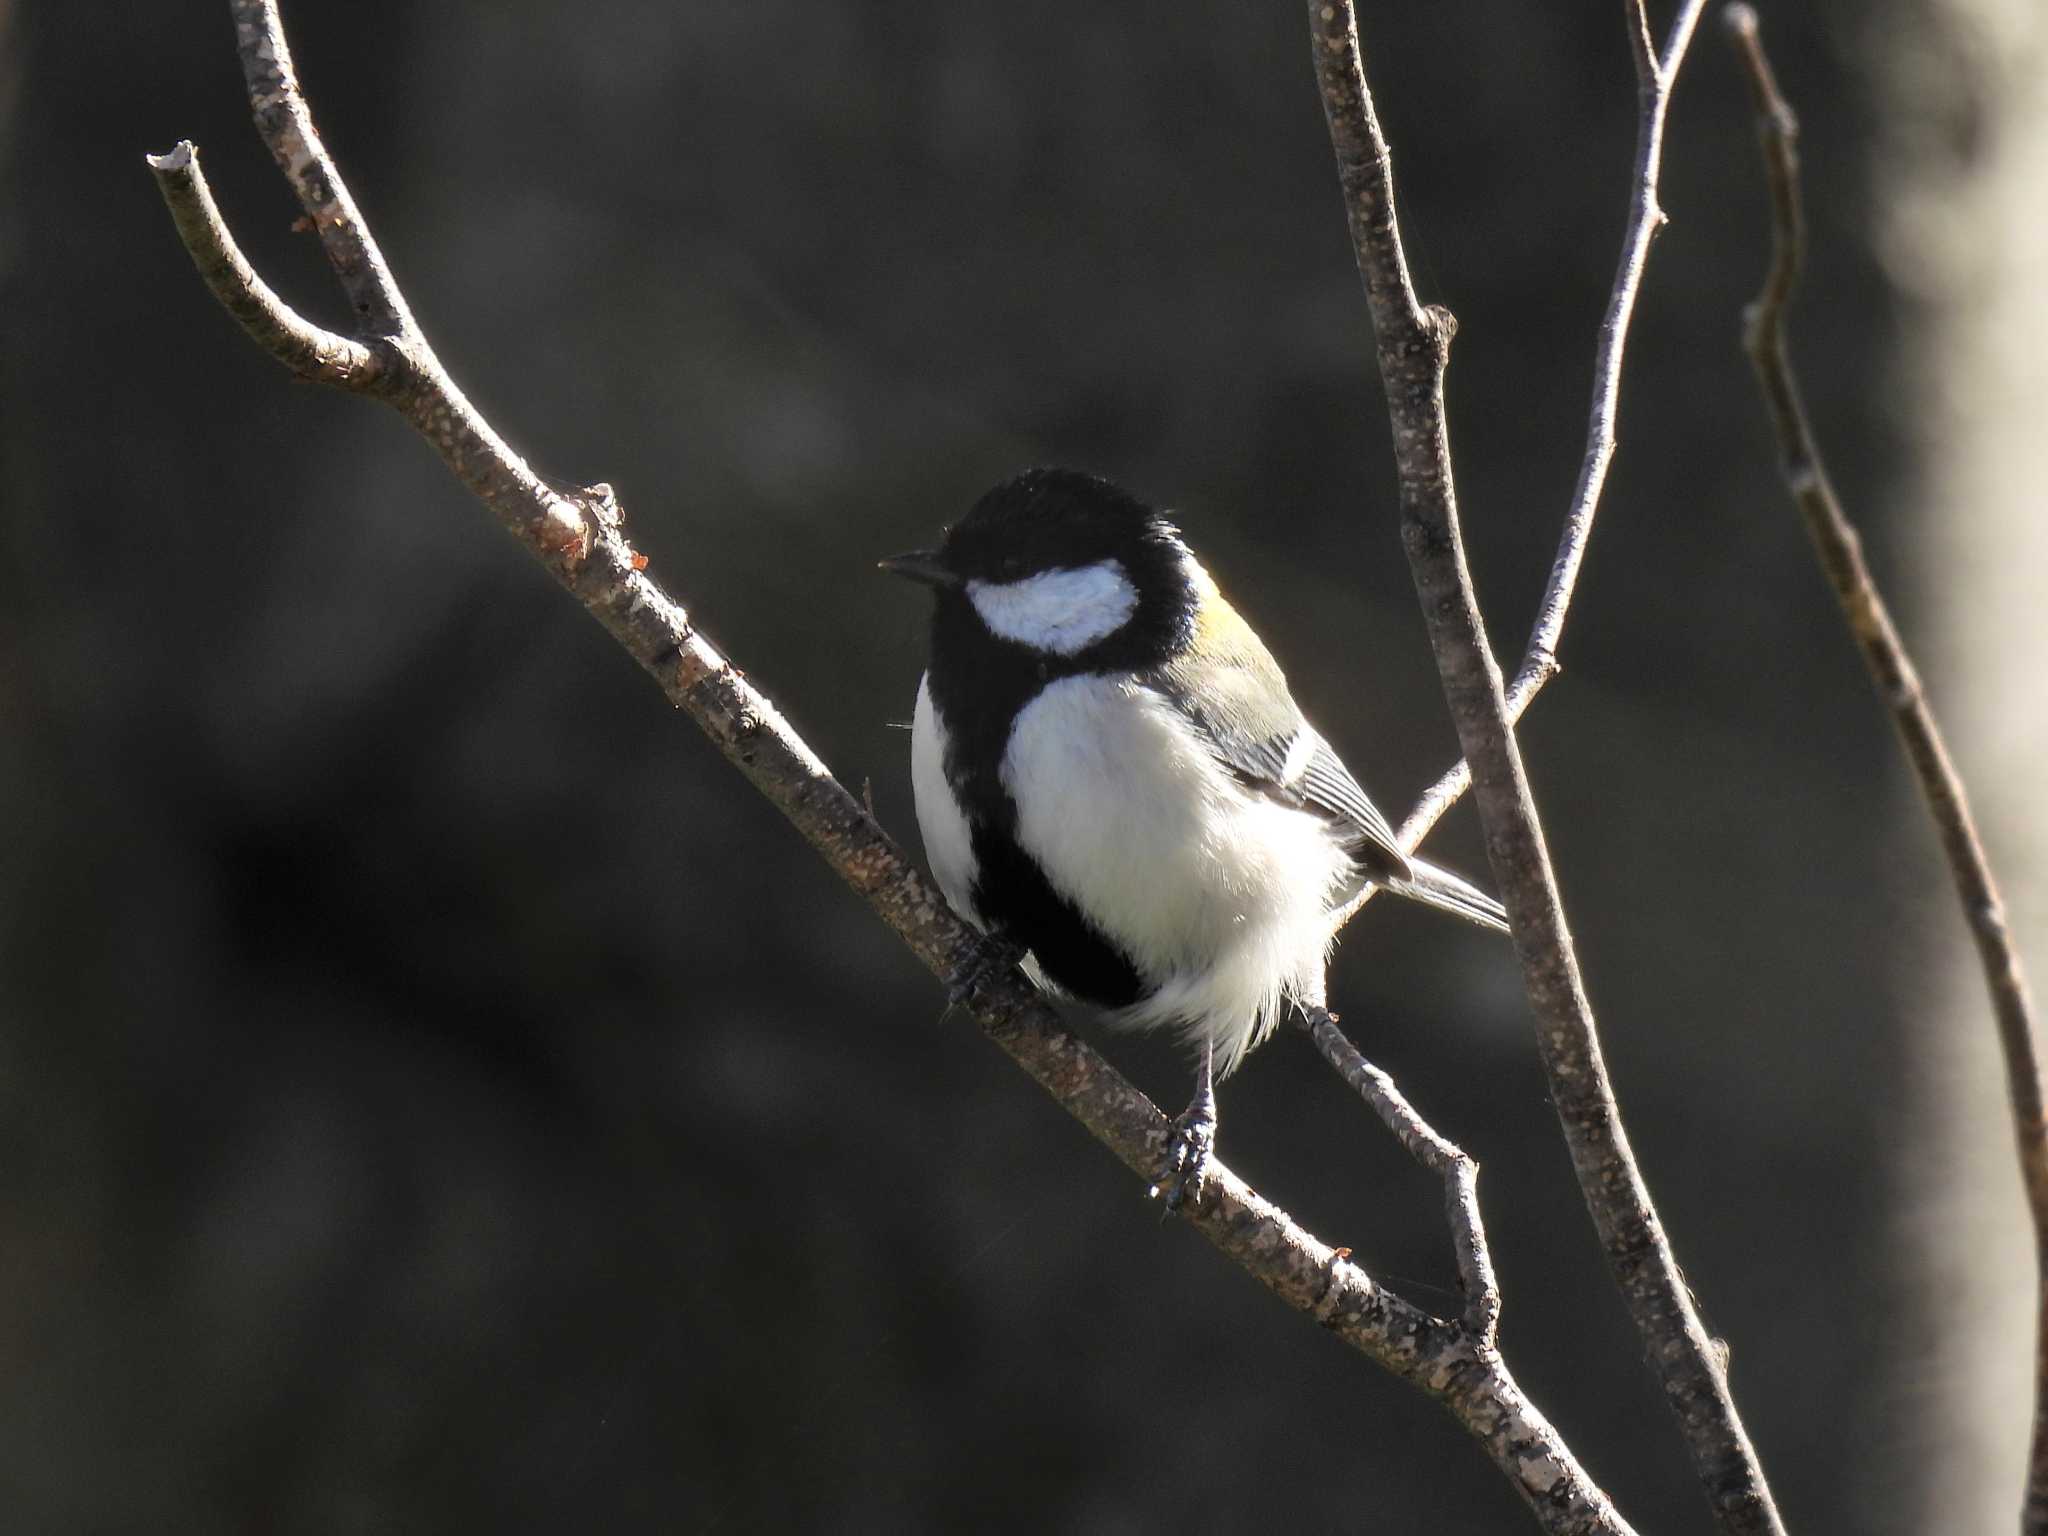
(1840, 551)
(1656, 78)
(1460, 1174)
(1413, 346)
(581, 541)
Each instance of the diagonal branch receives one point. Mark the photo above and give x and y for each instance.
(285, 124)
(581, 540)
(1656, 77)
(1840, 551)
(1413, 345)
(1435, 1152)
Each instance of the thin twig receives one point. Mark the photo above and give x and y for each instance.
(308, 350)
(1840, 551)
(1413, 345)
(1435, 1152)
(1642, 42)
(285, 124)
(581, 540)
(1656, 77)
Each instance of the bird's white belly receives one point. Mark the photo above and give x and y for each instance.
(1219, 897)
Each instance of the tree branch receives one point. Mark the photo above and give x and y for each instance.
(1840, 551)
(305, 348)
(1656, 77)
(581, 540)
(1413, 345)
(285, 124)
(1460, 1174)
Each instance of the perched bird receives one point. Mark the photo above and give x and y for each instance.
(1111, 776)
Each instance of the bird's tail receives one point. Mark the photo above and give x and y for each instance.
(1443, 890)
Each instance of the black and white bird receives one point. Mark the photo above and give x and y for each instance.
(1111, 776)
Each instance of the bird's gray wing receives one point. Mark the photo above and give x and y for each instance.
(1326, 785)
(1302, 771)
(1232, 691)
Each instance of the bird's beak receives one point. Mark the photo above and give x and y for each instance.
(925, 565)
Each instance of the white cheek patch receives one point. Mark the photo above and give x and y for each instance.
(1063, 612)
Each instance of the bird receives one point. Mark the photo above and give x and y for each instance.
(1112, 779)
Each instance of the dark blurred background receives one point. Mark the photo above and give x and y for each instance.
(437, 1094)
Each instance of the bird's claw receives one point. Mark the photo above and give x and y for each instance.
(1190, 1150)
(995, 956)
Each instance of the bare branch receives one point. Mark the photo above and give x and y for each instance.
(305, 348)
(1840, 551)
(1677, 41)
(1655, 78)
(1436, 1153)
(1645, 218)
(1642, 44)
(582, 542)
(285, 123)
(1413, 346)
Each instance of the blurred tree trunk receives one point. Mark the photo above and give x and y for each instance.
(1959, 179)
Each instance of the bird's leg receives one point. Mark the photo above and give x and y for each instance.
(1191, 1144)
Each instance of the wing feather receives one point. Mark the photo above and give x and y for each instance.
(1296, 767)
(1229, 687)
(1327, 786)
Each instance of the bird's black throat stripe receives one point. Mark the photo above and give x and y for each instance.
(1012, 893)
(979, 703)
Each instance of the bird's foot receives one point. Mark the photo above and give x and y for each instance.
(1190, 1149)
(994, 957)
(1190, 1144)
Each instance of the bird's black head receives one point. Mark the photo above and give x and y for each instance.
(1057, 519)
(1065, 566)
